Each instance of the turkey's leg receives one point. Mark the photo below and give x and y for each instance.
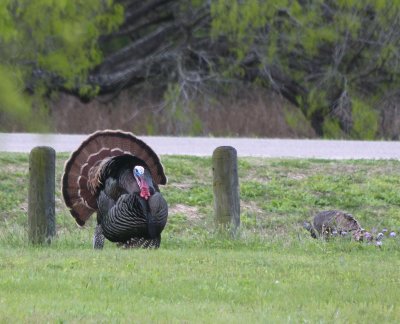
(98, 237)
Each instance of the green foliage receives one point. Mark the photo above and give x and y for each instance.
(18, 108)
(332, 128)
(325, 47)
(365, 120)
(296, 120)
(239, 19)
(65, 34)
(181, 112)
(11, 101)
(54, 37)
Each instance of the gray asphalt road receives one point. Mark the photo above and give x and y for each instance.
(204, 146)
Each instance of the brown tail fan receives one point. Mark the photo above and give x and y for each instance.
(83, 162)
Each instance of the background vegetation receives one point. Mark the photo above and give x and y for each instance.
(335, 62)
(272, 272)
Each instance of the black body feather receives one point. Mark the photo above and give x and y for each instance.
(123, 214)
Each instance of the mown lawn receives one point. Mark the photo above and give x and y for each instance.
(273, 272)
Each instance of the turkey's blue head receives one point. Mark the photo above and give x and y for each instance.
(140, 176)
(138, 171)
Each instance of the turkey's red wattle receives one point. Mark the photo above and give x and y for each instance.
(144, 189)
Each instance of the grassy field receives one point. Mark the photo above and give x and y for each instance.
(273, 272)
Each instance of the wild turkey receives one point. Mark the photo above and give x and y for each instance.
(117, 175)
(334, 222)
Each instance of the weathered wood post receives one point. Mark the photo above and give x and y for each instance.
(41, 202)
(226, 188)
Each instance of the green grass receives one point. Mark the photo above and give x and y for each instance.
(273, 272)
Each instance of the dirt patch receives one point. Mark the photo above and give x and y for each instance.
(296, 176)
(251, 208)
(182, 186)
(190, 212)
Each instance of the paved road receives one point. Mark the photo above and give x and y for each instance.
(204, 146)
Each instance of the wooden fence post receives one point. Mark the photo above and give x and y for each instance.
(226, 188)
(41, 202)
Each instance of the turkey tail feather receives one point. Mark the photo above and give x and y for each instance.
(82, 170)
